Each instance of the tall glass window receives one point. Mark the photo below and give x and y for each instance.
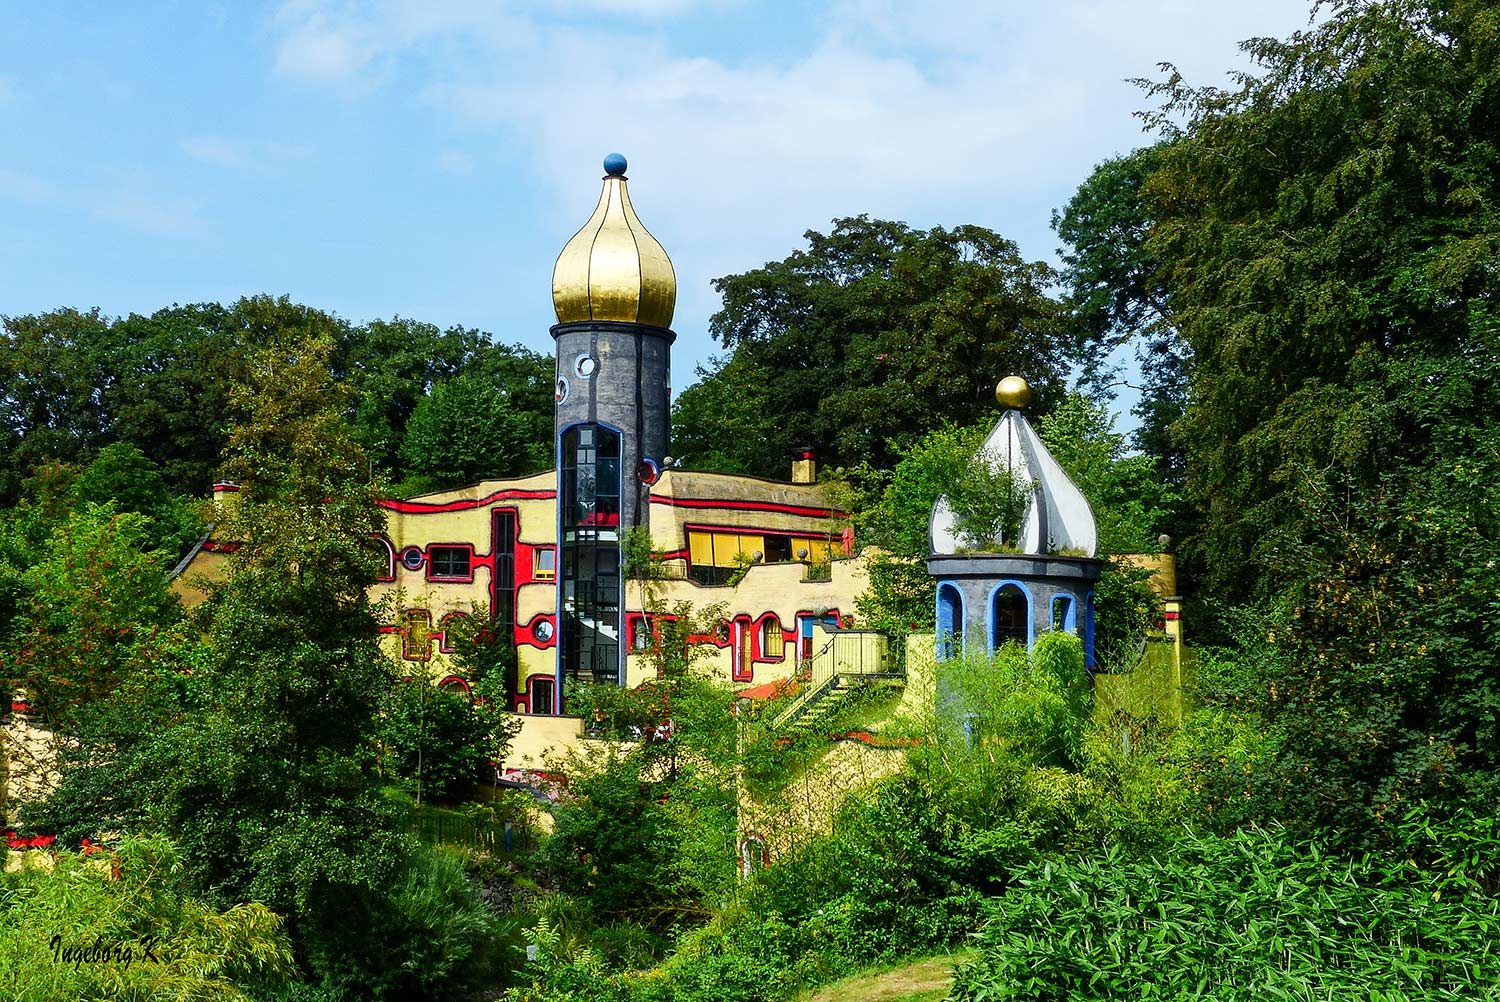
(590, 554)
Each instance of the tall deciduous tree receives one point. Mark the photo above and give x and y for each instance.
(1329, 234)
(468, 430)
(1332, 217)
(878, 333)
(172, 398)
(56, 373)
(1117, 296)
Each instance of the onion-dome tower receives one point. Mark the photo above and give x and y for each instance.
(614, 291)
(1028, 573)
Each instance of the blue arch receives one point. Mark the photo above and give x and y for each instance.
(1070, 617)
(989, 611)
(951, 621)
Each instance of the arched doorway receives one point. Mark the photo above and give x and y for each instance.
(1010, 616)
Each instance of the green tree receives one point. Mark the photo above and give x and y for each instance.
(1328, 233)
(432, 739)
(1117, 296)
(987, 501)
(57, 373)
(1326, 220)
(878, 333)
(390, 366)
(899, 598)
(172, 400)
(720, 423)
(468, 431)
(121, 474)
(97, 605)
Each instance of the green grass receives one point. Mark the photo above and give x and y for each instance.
(925, 980)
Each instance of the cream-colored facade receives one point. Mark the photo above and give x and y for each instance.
(773, 555)
(491, 549)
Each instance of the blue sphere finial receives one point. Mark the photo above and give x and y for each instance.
(614, 165)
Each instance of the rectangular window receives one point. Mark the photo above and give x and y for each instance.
(449, 563)
(544, 564)
(541, 695)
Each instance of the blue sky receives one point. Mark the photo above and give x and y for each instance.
(428, 158)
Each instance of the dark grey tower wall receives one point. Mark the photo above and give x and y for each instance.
(627, 390)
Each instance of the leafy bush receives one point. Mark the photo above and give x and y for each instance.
(179, 948)
(1035, 706)
(433, 740)
(1253, 916)
(421, 934)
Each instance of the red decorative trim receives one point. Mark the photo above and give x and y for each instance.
(223, 486)
(433, 507)
(744, 650)
(463, 683)
(782, 509)
(761, 655)
(877, 740)
(528, 695)
(681, 554)
(444, 647)
(1172, 616)
(742, 530)
(635, 622)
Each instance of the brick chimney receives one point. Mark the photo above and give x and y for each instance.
(804, 467)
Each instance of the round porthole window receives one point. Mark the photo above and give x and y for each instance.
(585, 365)
(542, 631)
(562, 389)
(411, 558)
(648, 472)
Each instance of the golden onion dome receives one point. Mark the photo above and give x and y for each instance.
(1013, 391)
(613, 269)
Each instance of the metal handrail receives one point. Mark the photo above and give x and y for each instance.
(825, 676)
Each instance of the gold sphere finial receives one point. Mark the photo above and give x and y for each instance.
(1013, 391)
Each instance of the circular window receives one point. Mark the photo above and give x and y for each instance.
(542, 631)
(562, 389)
(585, 365)
(648, 472)
(411, 558)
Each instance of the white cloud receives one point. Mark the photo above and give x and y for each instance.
(938, 113)
(141, 213)
(24, 187)
(454, 162)
(223, 152)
